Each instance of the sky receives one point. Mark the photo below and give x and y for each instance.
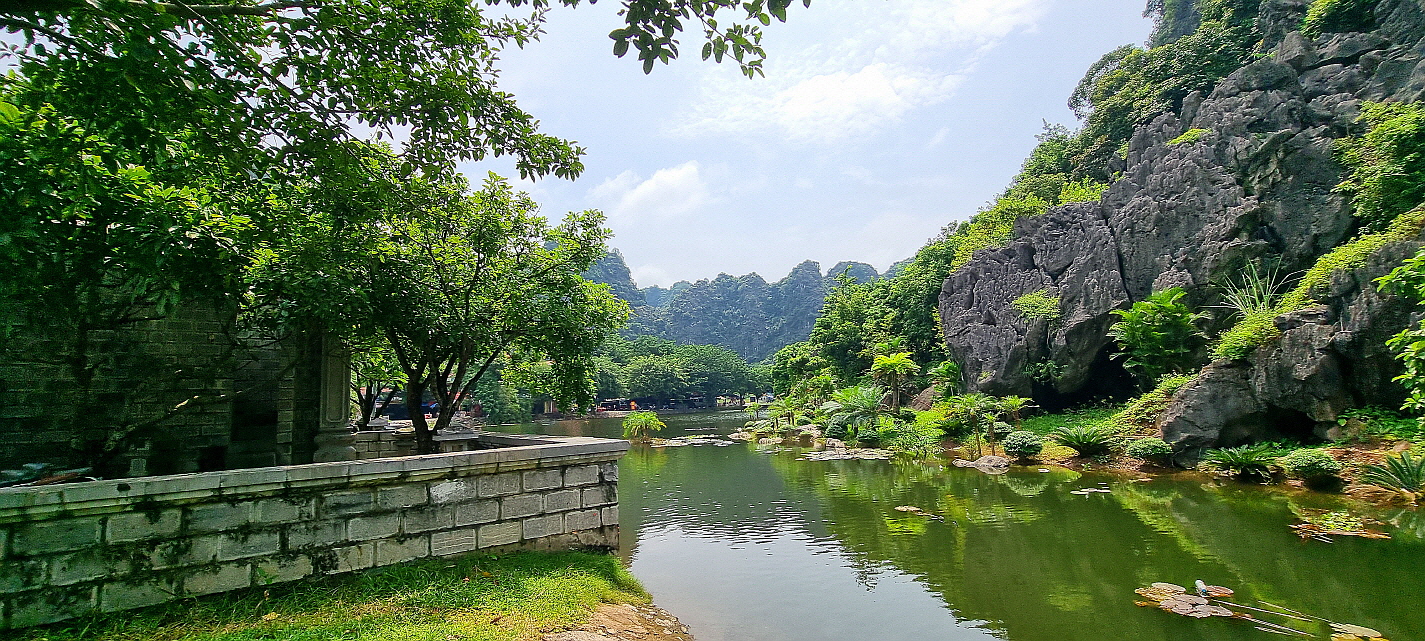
(878, 123)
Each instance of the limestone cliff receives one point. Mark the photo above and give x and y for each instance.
(1252, 183)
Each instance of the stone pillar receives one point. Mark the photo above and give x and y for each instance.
(335, 440)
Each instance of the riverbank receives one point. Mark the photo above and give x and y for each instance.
(565, 596)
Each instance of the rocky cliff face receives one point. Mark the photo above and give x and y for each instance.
(1256, 186)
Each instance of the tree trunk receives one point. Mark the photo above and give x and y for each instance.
(425, 440)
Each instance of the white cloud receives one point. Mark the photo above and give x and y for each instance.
(672, 192)
(866, 64)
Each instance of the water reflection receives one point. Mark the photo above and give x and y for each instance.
(754, 545)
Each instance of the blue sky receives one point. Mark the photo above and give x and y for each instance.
(878, 122)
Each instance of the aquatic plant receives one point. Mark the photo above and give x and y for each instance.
(1404, 474)
(1151, 449)
(1244, 461)
(1087, 440)
(638, 425)
(1022, 445)
(1310, 463)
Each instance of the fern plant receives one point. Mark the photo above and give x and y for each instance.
(1087, 440)
(1404, 474)
(1245, 461)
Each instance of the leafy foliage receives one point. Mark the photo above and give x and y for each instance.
(1038, 305)
(1244, 460)
(893, 370)
(1157, 335)
(1387, 162)
(914, 439)
(852, 410)
(637, 426)
(1310, 463)
(1151, 448)
(1022, 445)
(1087, 440)
(1189, 137)
(1404, 474)
(1142, 413)
(1331, 16)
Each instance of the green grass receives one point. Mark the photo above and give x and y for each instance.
(1045, 423)
(474, 598)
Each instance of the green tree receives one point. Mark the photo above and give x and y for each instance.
(374, 369)
(658, 377)
(894, 371)
(1157, 336)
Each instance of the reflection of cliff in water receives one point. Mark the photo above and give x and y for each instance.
(1032, 562)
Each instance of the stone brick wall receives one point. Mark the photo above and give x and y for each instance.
(383, 444)
(113, 545)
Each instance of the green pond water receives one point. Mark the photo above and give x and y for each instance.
(749, 544)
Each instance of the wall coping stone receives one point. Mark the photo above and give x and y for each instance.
(513, 452)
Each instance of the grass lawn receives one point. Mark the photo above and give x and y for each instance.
(473, 598)
(1045, 423)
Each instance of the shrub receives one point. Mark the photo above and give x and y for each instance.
(1404, 474)
(1087, 440)
(1335, 16)
(1143, 412)
(908, 438)
(1038, 305)
(638, 425)
(1310, 463)
(1245, 460)
(1189, 137)
(1157, 335)
(1081, 191)
(1150, 449)
(1022, 444)
(1387, 163)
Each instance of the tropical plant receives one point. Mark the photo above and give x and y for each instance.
(912, 439)
(1387, 162)
(1404, 474)
(1244, 461)
(1157, 335)
(893, 370)
(1150, 449)
(788, 409)
(947, 378)
(1013, 405)
(1309, 463)
(637, 426)
(978, 412)
(1022, 445)
(1087, 440)
(852, 410)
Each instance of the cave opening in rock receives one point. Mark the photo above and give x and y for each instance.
(1107, 382)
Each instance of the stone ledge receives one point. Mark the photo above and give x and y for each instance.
(108, 496)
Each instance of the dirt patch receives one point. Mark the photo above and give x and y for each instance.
(625, 622)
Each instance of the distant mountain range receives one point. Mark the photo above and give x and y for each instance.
(743, 313)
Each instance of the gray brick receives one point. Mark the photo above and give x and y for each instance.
(48, 606)
(281, 570)
(452, 542)
(86, 565)
(401, 496)
(425, 520)
(389, 552)
(365, 528)
(322, 533)
(475, 512)
(609, 471)
(609, 515)
(542, 480)
(18, 574)
(585, 520)
(347, 503)
(282, 511)
(541, 526)
(581, 475)
(561, 501)
(498, 484)
(221, 579)
(217, 517)
(195, 550)
(59, 535)
(601, 495)
(354, 557)
(121, 595)
(499, 534)
(454, 491)
(241, 546)
(520, 506)
(137, 526)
